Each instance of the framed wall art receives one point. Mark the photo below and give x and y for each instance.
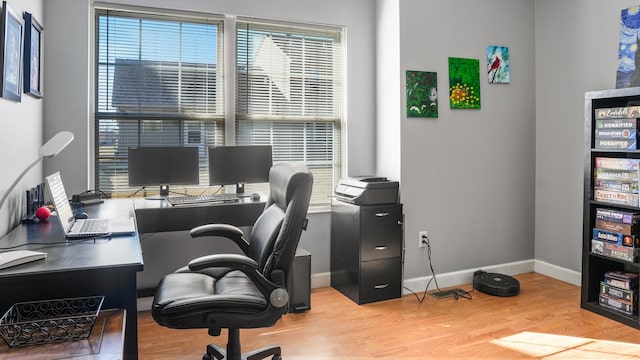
(628, 74)
(464, 83)
(11, 62)
(498, 65)
(422, 94)
(32, 80)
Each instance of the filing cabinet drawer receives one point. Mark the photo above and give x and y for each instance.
(380, 280)
(380, 240)
(391, 212)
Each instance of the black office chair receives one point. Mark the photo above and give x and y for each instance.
(234, 291)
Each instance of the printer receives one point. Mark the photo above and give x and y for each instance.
(367, 191)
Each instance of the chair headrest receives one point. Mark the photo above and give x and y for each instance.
(284, 178)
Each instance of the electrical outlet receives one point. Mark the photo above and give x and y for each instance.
(421, 237)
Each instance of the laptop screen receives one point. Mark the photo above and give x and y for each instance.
(60, 200)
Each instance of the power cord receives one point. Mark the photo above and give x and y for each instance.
(137, 191)
(455, 293)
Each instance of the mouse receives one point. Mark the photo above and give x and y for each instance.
(81, 215)
(255, 196)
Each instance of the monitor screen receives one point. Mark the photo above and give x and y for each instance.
(150, 166)
(239, 165)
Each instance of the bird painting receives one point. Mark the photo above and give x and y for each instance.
(498, 68)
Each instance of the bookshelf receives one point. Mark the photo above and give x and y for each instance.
(611, 177)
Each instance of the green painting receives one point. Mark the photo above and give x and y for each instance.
(464, 83)
(422, 94)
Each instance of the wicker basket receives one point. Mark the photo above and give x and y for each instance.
(38, 322)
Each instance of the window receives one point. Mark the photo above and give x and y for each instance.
(160, 81)
(288, 94)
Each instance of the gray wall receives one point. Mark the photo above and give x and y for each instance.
(576, 51)
(468, 176)
(20, 138)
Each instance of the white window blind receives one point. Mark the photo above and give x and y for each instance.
(289, 95)
(159, 82)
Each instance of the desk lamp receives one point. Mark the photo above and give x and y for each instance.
(51, 148)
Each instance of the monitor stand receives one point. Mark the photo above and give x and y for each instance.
(240, 189)
(164, 193)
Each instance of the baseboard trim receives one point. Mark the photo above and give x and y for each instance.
(144, 303)
(320, 280)
(514, 268)
(559, 273)
(465, 276)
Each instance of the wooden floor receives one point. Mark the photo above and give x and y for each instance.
(544, 322)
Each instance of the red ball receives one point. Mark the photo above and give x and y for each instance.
(43, 213)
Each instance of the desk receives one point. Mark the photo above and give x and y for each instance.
(158, 216)
(104, 343)
(166, 243)
(78, 268)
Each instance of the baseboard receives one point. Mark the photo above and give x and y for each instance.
(557, 272)
(519, 267)
(320, 280)
(144, 303)
(466, 276)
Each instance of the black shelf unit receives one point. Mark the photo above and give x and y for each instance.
(594, 266)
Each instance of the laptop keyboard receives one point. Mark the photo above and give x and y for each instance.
(94, 226)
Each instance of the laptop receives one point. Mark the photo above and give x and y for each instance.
(83, 228)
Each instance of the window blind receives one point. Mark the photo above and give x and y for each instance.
(289, 95)
(159, 82)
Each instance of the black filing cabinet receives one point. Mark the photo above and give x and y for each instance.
(366, 251)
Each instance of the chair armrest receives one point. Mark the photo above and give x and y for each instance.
(236, 262)
(225, 230)
(231, 261)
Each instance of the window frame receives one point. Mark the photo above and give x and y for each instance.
(336, 116)
(229, 73)
(178, 119)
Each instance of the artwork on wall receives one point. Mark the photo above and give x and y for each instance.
(11, 61)
(628, 72)
(498, 66)
(422, 94)
(464, 83)
(32, 80)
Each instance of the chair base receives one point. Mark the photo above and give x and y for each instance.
(217, 353)
(233, 352)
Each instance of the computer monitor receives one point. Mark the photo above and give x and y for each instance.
(163, 166)
(238, 165)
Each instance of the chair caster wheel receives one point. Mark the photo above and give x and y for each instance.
(207, 357)
(276, 357)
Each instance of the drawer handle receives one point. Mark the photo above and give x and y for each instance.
(381, 248)
(381, 286)
(382, 214)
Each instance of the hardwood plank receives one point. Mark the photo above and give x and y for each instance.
(544, 321)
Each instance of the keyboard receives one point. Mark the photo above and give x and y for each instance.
(94, 226)
(197, 199)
